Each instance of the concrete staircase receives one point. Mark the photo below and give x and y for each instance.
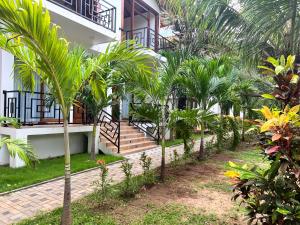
(131, 140)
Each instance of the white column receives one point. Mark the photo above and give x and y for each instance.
(6, 83)
(90, 140)
(16, 162)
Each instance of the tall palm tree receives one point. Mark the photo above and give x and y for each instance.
(117, 59)
(17, 147)
(27, 33)
(199, 79)
(157, 90)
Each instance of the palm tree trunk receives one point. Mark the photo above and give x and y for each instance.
(292, 32)
(93, 150)
(163, 146)
(243, 125)
(201, 150)
(66, 218)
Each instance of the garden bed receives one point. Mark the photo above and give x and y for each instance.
(46, 169)
(192, 195)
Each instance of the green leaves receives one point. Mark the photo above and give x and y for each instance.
(268, 96)
(20, 148)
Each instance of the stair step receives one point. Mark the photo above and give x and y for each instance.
(126, 152)
(133, 145)
(131, 138)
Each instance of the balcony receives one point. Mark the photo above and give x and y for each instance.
(147, 37)
(37, 108)
(97, 11)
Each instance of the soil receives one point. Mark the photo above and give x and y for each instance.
(200, 186)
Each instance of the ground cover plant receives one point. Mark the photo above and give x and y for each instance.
(46, 169)
(191, 195)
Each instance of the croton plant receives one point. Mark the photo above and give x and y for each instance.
(271, 195)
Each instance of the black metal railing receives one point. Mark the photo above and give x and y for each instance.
(97, 11)
(148, 126)
(148, 38)
(32, 108)
(110, 128)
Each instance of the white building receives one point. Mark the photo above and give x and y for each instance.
(92, 24)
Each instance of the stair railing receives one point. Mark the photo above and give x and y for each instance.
(110, 128)
(149, 127)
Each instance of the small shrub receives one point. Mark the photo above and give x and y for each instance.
(148, 174)
(103, 185)
(175, 159)
(129, 187)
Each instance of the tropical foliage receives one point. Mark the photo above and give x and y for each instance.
(272, 194)
(17, 147)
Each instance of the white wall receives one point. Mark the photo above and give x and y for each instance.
(47, 146)
(6, 83)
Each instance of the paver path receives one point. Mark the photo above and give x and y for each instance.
(29, 202)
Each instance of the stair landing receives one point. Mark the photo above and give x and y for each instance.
(132, 140)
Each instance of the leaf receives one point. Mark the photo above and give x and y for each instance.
(232, 174)
(295, 109)
(276, 137)
(232, 164)
(294, 79)
(272, 150)
(283, 211)
(279, 69)
(267, 112)
(290, 61)
(268, 96)
(267, 69)
(273, 61)
(282, 60)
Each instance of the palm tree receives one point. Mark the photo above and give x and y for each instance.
(255, 29)
(117, 59)
(157, 89)
(27, 33)
(17, 147)
(198, 78)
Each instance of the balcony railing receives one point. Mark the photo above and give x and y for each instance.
(147, 37)
(97, 11)
(37, 108)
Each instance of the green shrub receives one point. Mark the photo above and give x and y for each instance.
(129, 186)
(103, 185)
(148, 174)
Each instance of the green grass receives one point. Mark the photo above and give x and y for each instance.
(46, 169)
(170, 143)
(165, 215)
(81, 214)
(176, 215)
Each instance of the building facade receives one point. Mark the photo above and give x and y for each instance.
(92, 24)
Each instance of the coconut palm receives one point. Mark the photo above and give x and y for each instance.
(27, 33)
(17, 147)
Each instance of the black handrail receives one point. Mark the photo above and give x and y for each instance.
(97, 11)
(147, 126)
(110, 128)
(147, 37)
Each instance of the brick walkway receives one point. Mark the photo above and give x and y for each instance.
(29, 202)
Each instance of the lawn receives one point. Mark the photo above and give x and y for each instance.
(191, 195)
(46, 169)
(179, 141)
